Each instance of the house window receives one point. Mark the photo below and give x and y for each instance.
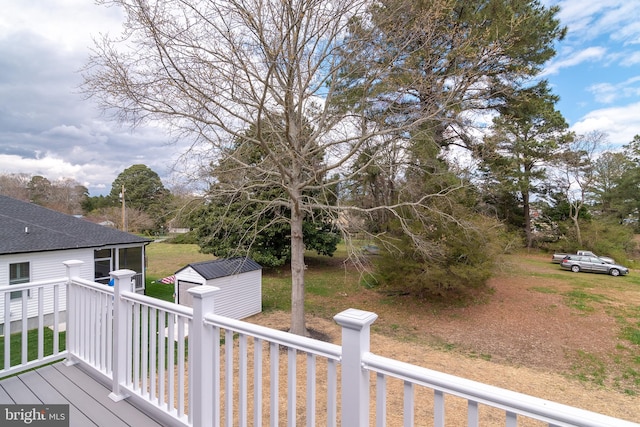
(131, 258)
(103, 265)
(107, 260)
(18, 273)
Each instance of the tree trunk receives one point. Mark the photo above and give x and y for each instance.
(298, 325)
(577, 226)
(527, 219)
(574, 213)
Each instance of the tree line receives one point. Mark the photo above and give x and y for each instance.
(65, 195)
(317, 119)
(148, 208)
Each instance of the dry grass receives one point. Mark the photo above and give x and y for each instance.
(545, 385)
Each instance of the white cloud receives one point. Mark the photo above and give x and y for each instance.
(622, 22)
(630, 59)
(608, 23)
(608, 93)
(46, 126)
(604, 92)
(67, 23)
(578, 15)
(589, 54)
(620, 123)
(54, 168)
(587, 20)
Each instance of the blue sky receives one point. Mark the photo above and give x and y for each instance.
(48, 128)
(596, 71)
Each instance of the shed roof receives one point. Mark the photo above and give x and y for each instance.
(223, 267)
(26, 227)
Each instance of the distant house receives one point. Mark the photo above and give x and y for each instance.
(35, 241)
(239, 280)
(178, 230)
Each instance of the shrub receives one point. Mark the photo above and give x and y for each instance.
(461, 258)
(602, 237)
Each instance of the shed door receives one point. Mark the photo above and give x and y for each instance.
(184, 297)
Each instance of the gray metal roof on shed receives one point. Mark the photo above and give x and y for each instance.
(223, 267)
(26, 227)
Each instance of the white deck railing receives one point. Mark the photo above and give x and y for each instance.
(192, 367)
(38, 311)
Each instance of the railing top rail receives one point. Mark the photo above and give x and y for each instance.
(552, 412)
(309, 345)
(169, 307)
(35, 284)
(93, 285)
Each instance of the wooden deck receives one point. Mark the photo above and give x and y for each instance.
(88, 399)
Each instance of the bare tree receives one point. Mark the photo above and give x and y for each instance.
(577, 174)
(136, 219)
(67, 195)
(63, 195)
(15, 185)
(211, 70)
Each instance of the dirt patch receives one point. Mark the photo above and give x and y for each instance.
(523, 327)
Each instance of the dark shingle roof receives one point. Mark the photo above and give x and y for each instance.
(25, 227)
(223, 267)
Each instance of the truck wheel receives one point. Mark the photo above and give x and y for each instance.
(614, 272)
(575, 268)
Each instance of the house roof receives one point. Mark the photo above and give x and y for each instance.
(223, 267)
(26, 227)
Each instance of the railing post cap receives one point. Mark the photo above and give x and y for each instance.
(355, 319)
(122, 273)
(72, 262)
(202, 291)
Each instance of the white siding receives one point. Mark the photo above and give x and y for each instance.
(43, 266)
(190, 275)
(240, 295)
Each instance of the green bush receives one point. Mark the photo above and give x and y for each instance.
(461, 258)
(602, 237)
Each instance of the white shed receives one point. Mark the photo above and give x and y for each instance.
(239, 280)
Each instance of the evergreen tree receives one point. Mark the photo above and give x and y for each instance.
(144, 191)
(525, 137)
(260, 208)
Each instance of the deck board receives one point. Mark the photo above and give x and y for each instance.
(49, 395)
(88, 399)
(18, 391)
(130, 413)
(87, 404)
(5, 399)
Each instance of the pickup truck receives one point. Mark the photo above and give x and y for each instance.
(557, 258)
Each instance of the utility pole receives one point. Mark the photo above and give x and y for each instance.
(124, 219)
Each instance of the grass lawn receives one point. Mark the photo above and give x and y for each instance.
(332, 287)
(32, 345)
(164, 259)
